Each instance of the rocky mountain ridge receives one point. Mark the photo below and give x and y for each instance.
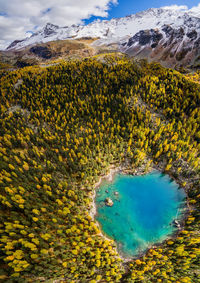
(167, 45)
(169, 36)
(114, 29)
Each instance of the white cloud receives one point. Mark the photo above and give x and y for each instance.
(19, 16)
(176, 7)
(196, 10)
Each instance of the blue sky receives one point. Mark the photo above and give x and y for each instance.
(128, 7)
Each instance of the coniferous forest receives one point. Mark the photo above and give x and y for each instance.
(64, 126)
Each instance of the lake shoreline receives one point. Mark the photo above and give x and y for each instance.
(139, 171)
(109, 178)
(113, 170)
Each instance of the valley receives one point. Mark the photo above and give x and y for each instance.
(99, 144)
(62, 128)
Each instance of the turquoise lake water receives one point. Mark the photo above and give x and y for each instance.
(143, 211)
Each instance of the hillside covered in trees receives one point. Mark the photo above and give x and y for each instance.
(63, 127)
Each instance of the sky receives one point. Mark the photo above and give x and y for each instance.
(20, 18)
(128, 7)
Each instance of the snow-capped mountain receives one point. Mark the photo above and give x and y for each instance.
(151, 34)
(114, 29)
(168, 45)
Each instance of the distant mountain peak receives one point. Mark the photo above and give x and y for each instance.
(50, 29)
(118, 28)
(147, 32)
(51, 26)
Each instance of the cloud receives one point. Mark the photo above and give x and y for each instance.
(19, 16)
(195, 10)
(176, 7)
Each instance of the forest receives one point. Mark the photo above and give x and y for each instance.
(64, 126)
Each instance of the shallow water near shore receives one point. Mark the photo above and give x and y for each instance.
(143, 211)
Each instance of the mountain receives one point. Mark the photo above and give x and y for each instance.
(167, 35)
(49, 51)
(167, 45)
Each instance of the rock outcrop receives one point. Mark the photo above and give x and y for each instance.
(109, 202)
(167, 45)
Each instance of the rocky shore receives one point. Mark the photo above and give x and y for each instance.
(141, 170)
(109, 177)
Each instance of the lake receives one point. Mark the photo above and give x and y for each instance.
(143, 210)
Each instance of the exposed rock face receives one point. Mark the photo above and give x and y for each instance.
(50, 29)
(117, 29)
(167, 45)
(14, 43)
(145, 37)
(169, 36)
(41, 51)
(192, 35)
(109, 202)
(34, 55)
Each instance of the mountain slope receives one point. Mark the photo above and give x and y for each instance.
(45, 52)
(167, 45)
(174, 47)
(114, 29)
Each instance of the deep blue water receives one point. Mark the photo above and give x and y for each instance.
(143, 211)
